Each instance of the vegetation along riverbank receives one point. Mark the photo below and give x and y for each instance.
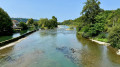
(98, 24)
(8, 26)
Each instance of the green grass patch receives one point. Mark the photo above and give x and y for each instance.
(101, 39)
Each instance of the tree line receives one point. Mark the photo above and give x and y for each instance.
(6, 25)
(97, 23)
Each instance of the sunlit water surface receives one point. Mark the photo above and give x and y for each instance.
(58, 48)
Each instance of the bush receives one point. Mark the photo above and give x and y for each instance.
(86, 35)
(102, 36)
(23, 25)
(30, 22)
(85, 29)
(114, 36)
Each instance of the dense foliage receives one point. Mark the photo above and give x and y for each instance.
(54, 19)
(45, 23)
(90, 10)
(5, 23)
(30, 22)
(99, 24)
(23, 25)
(36, 25)
(114, 36)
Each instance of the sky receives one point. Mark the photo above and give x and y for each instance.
(62, 9)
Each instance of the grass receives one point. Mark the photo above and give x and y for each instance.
(96, 38)
(101, 39)
(80, 33)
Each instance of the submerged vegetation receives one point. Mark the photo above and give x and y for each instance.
(99, 24)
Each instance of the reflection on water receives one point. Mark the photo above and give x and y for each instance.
(112, 55)
(5, 52)
(58, 48)
(90, 53)
(95, 55)
(45, 33)
(5, 55)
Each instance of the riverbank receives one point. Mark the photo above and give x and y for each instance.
(106, 44)
(102, 43)
(11, 44)
(58, 48)
(99, 41)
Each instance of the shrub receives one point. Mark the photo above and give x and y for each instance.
(86, 35)
(95, 29)
(102, 36)
(23, 25)
(114, 36)
(85, 29)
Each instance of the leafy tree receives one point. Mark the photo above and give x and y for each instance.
(67, 22)
(5, 23)
(46, 23)
(55, 20)
(52, 23)
(114, 36)
(23, 25)
(91, 9)
(43, 22)
(96, 29)
(36, 25)
(30, 22)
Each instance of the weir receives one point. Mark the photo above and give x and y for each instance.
(3, 43)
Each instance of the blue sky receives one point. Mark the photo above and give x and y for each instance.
(62, 9)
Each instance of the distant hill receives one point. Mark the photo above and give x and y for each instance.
(22, 19)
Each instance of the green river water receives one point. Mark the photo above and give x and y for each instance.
(58, 48)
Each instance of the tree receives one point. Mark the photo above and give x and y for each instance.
(23, 25)
(46, 23)
(30, 22)
(36, 25)
(52, 23)
(91, 9)
(55, 20)
(43, 22)
(67, 22)
(114, 36)
(5, 23)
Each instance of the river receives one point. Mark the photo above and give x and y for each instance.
(58, 48)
